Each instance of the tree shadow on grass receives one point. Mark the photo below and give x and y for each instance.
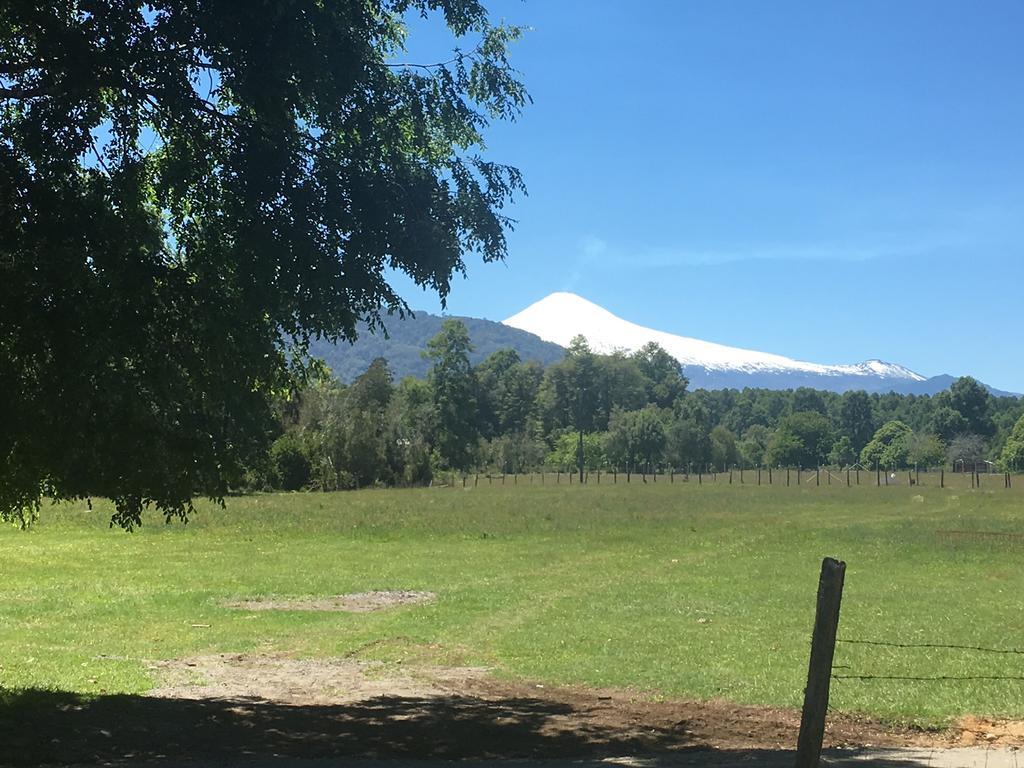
(39, 727)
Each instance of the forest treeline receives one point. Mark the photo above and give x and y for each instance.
(630, 411)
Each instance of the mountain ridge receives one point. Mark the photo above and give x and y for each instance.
(408, 337)
(560, 316)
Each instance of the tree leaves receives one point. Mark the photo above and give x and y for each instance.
(189, 195)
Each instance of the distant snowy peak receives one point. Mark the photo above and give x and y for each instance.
(561, 316)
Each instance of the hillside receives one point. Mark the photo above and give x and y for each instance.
(408, 338)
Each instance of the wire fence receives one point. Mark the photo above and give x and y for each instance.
(845, 672)
(761, 476)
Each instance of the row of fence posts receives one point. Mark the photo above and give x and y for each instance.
(882, 477)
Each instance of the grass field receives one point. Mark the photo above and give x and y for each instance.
(676, 590)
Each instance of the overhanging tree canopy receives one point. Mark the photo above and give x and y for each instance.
(190, 191)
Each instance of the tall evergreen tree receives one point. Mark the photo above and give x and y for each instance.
(454, 390)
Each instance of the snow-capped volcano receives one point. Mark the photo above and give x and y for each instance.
(561, 316)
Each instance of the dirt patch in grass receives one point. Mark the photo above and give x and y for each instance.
(594, 721)
(219, 707)
(305, 682)
(358, 602)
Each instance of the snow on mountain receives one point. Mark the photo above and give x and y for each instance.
(561, 316)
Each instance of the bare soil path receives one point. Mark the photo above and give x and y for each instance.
(269, 711)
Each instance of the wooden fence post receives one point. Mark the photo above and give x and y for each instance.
(819, 669)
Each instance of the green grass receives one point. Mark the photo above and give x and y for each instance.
(677, 590)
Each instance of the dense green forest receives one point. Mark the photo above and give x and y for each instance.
(632, 412)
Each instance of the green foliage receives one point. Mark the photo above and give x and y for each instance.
(1012, 457)
(517, 452)
(843, 453)
(189, 194)
(890, 446)
(665, 382)
(290, 463)
(724, 451)
(803, 439)
(688, 437)
(856, 421)
(507, 392)
(454, 389)
(971, 400)
(636, 439)
(520, 417)
(946, 423)
(754, 445)
(925, 450)
(565, 454)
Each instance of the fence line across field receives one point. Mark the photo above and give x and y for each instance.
(783, 476)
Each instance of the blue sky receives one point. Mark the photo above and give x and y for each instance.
(831, 181)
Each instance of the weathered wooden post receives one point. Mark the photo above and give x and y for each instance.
(942, 478)
(819, 669)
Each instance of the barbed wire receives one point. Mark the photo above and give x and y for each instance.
(929, 678)
(888, 644)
